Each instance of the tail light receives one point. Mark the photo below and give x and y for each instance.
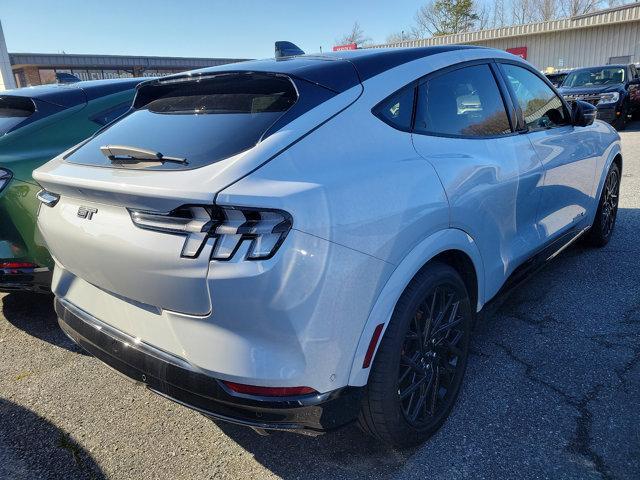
(268, 391)
(5, 176)
(230, 227)
(16, 265)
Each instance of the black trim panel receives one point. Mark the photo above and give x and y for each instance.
(175, 379)
(540, 259)
(26, 279)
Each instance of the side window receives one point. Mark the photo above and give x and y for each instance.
(397, 109)
(109, 115)
(464, 102)
(541, 107)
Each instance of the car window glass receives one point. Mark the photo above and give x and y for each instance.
(397, 109)
(109, 115)
(205, 121)
(14, 111)
(594, 77)
(541, 107)
(464, 102)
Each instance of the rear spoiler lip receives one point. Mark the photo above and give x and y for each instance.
(206, 75)
(341, 76)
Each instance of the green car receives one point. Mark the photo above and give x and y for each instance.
(36, 124)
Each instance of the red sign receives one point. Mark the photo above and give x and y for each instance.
(348, 46)
(519, 51)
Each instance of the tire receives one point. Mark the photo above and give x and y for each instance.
(603, 225)
(403, 363)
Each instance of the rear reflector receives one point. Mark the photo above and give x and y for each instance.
(269, 391)
(13, 265)
(372, 346)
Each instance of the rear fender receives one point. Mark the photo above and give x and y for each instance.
(601, 174)
(449, 239)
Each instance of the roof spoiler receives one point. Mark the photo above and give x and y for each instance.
(287, 49)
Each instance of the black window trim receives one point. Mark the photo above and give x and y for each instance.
(507, 100)
(522, 126)
(376, 109)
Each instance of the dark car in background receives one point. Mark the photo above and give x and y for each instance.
(36, 124)
(613, 89)
(556, 78)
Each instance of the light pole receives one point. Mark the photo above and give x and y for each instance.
(6, 73)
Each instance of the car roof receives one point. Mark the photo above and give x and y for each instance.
(616, 65)
(71, 94)
(337, 71)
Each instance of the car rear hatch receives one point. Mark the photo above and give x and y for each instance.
(129, 210)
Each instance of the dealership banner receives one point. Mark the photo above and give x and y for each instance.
(519, 51)
(348, 46)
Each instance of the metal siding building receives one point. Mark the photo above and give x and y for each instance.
(38, 68)
(605, 36)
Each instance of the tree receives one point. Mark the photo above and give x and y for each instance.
(402, 36)
(498, 16)
(522, 11)
(571, 8)
(356, 36)
(443, 17)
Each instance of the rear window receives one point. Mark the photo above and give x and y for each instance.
(14, 111)
(201, 121)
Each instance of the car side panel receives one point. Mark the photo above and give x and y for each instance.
(569, 155)
(354, 181)
(493, 187)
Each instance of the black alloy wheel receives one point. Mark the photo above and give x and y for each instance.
(419, 367)
(431, 357)
(610, 202)
(605, 221)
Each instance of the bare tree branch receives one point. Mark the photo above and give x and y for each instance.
(356, 36)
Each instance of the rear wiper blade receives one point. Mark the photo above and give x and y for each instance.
(123, 153)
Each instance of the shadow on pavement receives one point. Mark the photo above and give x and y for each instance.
(333, 455)
(31, 447)
(33, 314)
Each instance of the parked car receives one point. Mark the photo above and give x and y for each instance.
(556, 78)
(36, 124)
(613, 89)
(302, 243)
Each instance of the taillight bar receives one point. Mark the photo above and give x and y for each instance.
(230, 226)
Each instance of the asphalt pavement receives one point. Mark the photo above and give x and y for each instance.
(552, 391)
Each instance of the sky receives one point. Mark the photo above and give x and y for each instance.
(194, 28)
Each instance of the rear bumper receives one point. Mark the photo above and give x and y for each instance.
(26, 279)
(176, 379)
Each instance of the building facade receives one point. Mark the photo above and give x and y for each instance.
(602, 37)
(42, 68)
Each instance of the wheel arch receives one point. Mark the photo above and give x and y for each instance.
(451, 246)
(613, 156)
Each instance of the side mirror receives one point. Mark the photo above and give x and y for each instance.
(583, 113)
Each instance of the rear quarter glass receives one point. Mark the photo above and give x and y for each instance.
(14, 111)
(203, 121)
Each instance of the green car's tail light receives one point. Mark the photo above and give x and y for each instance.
(5, 176)
(265, 229)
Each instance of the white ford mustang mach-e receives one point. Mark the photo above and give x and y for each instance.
(302, 242)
